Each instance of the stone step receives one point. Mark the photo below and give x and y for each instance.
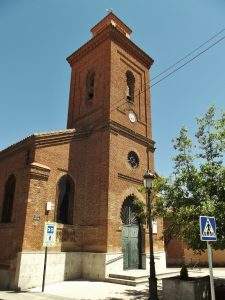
(127, 277)
(121, 281)
(135, 280)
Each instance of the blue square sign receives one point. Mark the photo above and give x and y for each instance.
(50, 230)
(207, 228)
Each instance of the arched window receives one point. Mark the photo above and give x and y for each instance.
(90, 85)
(9, 194)
(128, 211)
(130, 80)
(65, 200)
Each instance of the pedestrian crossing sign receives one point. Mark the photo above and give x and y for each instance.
(207, 228)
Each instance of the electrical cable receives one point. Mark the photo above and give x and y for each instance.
(189, 54)
(177, 69)
(190, 60)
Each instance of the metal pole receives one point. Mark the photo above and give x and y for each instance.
(44, 271)
(152, 278)
(211, 271)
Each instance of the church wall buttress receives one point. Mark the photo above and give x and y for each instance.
(89, 161)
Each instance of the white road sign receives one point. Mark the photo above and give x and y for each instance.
(49, 234)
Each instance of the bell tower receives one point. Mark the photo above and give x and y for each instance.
(110, 108)
(110, 80)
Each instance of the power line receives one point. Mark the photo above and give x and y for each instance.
(184, 57)
(178, 68)
(190, 60)
(189, 54)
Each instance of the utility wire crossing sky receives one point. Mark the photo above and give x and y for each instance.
(176, 63)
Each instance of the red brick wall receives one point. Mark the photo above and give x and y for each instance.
(11, 234)
(178, 254)
(174, 253)
(192, 258)
(89, 163)
(121, 61)
(120, 145)
(84, 114)
(42, 190)
(86, 162)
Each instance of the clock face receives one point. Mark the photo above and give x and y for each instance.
(132, 117)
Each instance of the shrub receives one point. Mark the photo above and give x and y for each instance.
(184, 273)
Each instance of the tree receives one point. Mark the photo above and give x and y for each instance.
(197, 185)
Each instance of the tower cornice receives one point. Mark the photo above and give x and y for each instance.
(113, 34)
(120, 129)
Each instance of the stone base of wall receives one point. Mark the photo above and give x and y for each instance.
(60, 266)
(66, 266)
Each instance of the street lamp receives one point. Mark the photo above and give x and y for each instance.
(148, 179)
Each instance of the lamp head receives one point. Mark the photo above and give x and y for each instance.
(148, 179)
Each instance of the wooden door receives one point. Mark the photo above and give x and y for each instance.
(130, 245)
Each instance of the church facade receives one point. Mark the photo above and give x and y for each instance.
(91, 172)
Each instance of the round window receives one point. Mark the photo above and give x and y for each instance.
(133, 159)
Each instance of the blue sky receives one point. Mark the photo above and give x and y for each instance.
(37, 35)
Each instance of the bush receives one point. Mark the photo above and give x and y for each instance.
(184, 273)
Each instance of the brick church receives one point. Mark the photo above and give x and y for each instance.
(90, 172)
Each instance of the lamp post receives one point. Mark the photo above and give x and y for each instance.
(148, 179)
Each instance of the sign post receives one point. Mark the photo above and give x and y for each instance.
(44, 271)
(208, 234)
(49, 241)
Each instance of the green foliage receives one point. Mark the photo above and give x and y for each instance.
(184, 273)
(144, 208)
(197, 185)
(140, 210)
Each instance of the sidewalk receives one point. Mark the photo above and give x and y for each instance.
(81, 290)
(92, 290)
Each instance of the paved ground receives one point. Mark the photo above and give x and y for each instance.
(91, 290)
(81, 290)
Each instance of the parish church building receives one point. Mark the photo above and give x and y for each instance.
(86, 178)
(88, 174)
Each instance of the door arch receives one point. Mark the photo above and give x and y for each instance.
(131, 234)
